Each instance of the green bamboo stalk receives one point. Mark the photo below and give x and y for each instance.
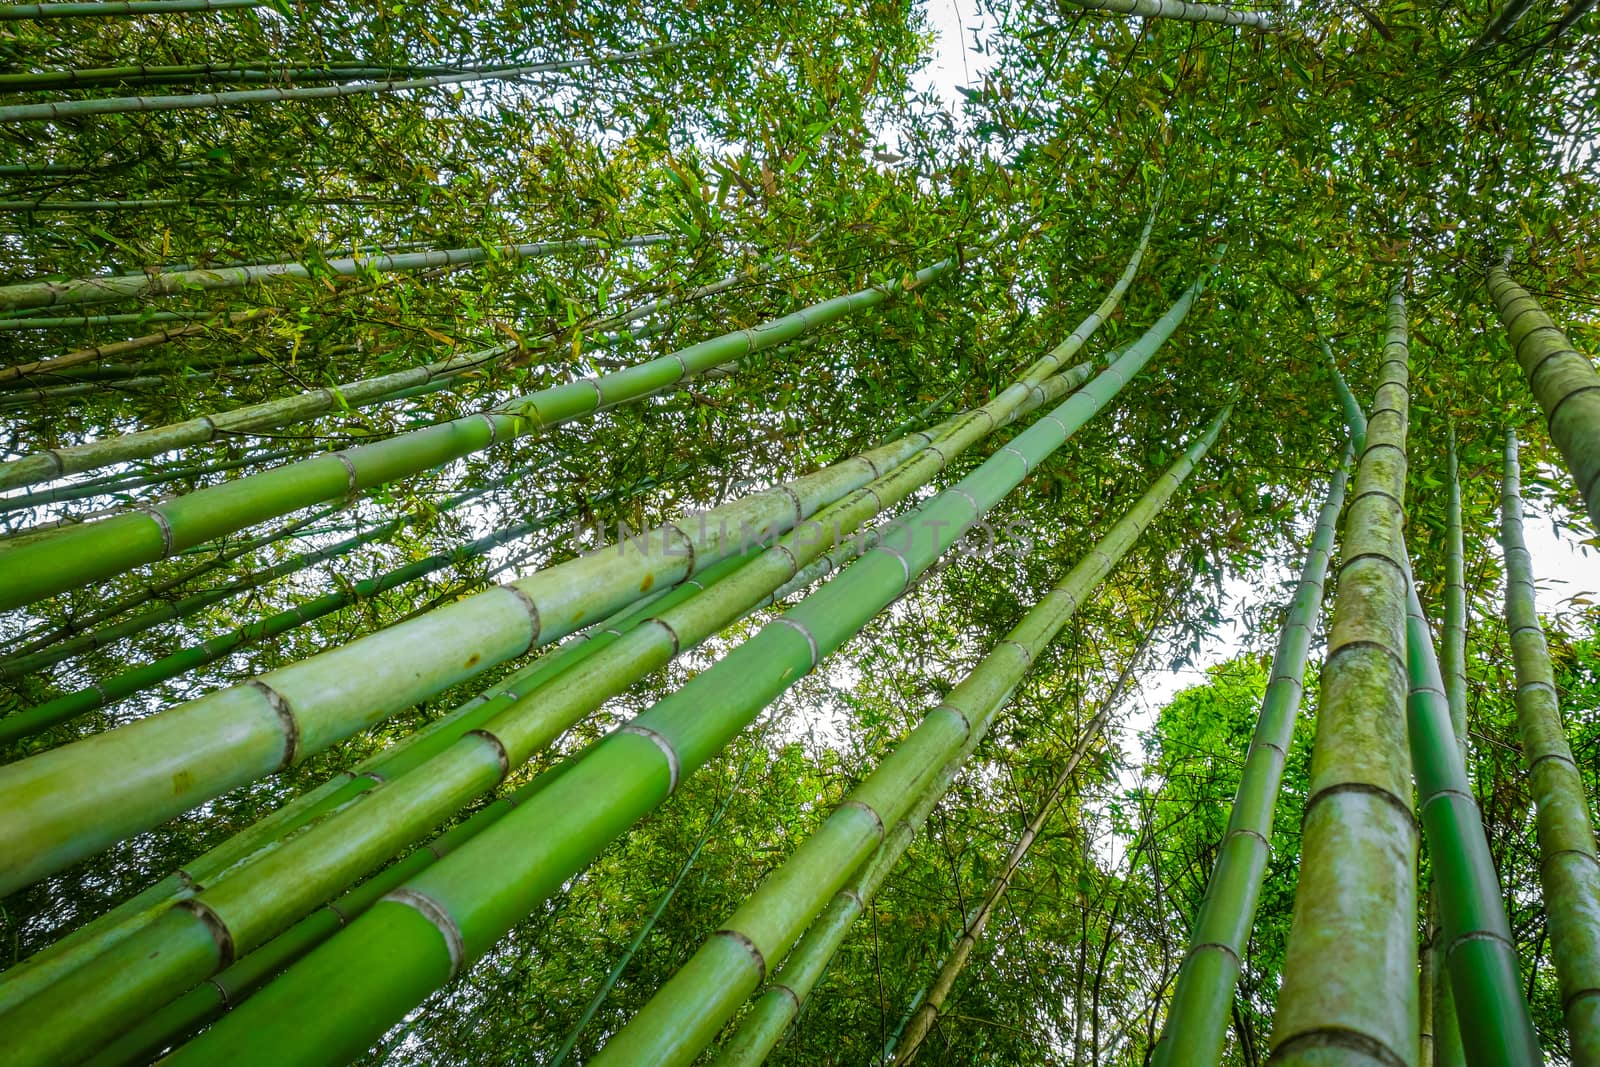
(628, 773)
(1439, 1003)
(88, 321)
(268, 69)
(224, 554)
(95, 353)
(927, 1013)
(1563, 381)
(689, 1010)
(649, 924)
(74, 109)
(1202, 999)
(1569, 869)
(257, 901)
(1350, 979)
(110, 485)
(66, 10)
(117, 287)
(142, 444)
(1485, 989)
(44, 206)
(1507, 17)
(27, 660)
(769, 1017)
(98, 550)
(1183, 10)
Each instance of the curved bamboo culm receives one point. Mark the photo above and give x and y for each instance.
(98, 550)
(485, 888)
(258, 900)
(1569, 869)
(1561, 379)
(119, 287)
(142, 444)
(1182, 10)
(688, 1011)
(75, 109)
(1441, 1034)
(1350, 982)
(69, 9)
(94, 353)
(926, 1016)
(269, 69)
(1505, 19)
(1495, 1027)
(1202, 997)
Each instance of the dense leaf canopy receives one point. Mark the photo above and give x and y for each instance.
(787, 156)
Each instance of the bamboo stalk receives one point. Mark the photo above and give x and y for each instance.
(1569, 869)
(624, 776)
(1202, 999)
(1562, 380)
(268, 69)
(1477, 949)
(689, 1010)
(136, 286)
(1183, 10)
(117, 348)
(99, 550)
(65, 10)
(56, 111)
(1350, 971)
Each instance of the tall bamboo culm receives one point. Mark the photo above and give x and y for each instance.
(1475, 946)
(1569, 869)
(1350, 982)
(1561, 379)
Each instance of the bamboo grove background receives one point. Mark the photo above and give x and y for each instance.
(329, 226)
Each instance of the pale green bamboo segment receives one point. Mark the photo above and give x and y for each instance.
(1569, 869)
(66, 10)
(1561, 379)
(1453, 658)
(1349, 991)
(1182, 10)
(86, 553)
(763, 1026)
(117, 348)
(1444, 1045)
(1202, 998)
(927, 1014)
(71, 801)
(1354, 418)
(687, 1012)
(457, 911)
(136, 286)
(72, 109)
(1479, 956)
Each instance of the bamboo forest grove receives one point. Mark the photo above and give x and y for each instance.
(996, 532)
